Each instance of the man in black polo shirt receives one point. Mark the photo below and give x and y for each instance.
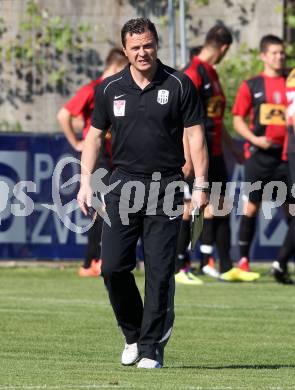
(147, 105)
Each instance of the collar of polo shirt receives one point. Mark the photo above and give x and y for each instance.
(158, 77)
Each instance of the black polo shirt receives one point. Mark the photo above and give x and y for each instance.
(147, 124)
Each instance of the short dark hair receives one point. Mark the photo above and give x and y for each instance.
(218, 36)
(115, 55)
(138, 26)
(268, 40)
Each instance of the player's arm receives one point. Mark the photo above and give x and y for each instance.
(64, 118)
(199, 155)
(89, 156)
(193, 118)
(243, 130)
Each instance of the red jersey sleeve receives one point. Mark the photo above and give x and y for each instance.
(193, 74)
(77, 104)
(243, 101)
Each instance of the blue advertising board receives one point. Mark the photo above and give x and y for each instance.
(31, 158)
(271, 226)
(30, 225)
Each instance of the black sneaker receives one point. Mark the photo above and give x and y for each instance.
(280, 275)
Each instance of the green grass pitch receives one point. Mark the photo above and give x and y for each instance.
(57, 331)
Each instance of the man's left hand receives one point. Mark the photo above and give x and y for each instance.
(200, 199)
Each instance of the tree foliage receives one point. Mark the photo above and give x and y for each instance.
(43, 55)
(233, 70)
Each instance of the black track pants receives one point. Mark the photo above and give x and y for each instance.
(150, 324)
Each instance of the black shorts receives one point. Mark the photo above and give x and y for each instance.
(217, 173)
(265, 166)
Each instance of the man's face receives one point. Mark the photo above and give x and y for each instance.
(274, 57)
(141, 50)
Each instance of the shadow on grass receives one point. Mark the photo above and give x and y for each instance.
(237, 367)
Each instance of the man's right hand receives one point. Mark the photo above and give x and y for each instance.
(262, 142)
(84, 197)
(199, 200)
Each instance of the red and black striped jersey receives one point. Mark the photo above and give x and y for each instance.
(206, 80)
(82, 103)
(263, 100)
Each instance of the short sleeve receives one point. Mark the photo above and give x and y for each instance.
(77, 104)
(100, 118)
(243, 101)
(191, 106)
(193, 74)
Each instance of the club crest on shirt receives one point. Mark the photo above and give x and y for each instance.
(277, 98)
(119, 107)
(163, 96)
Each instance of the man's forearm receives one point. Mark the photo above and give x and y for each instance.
(186, 148)
(90, 154)
(188, 168)
(199, 153)
(64, 119)
(242, 129)
(200, 162)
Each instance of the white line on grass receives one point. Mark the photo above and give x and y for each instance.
(205, 306)
(269, 307)
(61, 301)
(56, 387)
(97, 386)
(93, 303)
(226, 319)
(31, 311)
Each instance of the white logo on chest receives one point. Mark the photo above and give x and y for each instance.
(119, 107)
(257, 95)
(277, 98)
(163, 96)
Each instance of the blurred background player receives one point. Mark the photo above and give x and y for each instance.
(263, 99)
(280, 266)
(216, 229)
(183, 272)
(81, 105)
